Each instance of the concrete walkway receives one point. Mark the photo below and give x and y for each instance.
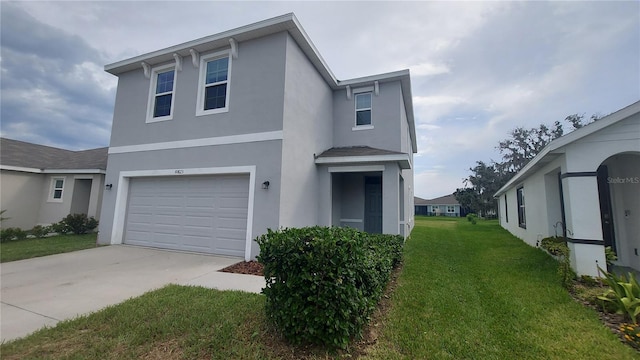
(43, 291)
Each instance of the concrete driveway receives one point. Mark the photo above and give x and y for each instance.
(43, 291)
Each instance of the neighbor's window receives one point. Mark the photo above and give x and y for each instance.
(213, 92)
(363, 109)
(451, 209)
(57, 188)
(161, 94)
(506, 209)
(522, 221)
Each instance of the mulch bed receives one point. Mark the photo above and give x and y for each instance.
(245, 267)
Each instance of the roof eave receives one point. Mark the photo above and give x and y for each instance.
(555, 146)
(402, 159)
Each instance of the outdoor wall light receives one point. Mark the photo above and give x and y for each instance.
(108, 186)
(265, 185)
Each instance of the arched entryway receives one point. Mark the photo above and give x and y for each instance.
(619, 195)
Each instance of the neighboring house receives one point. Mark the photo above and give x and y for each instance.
(216, 140)
(442, 206)
(41, 184)
(585, 186)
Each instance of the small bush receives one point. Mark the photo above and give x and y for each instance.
(60, 228)
(472, 218)
(323, 283)
(9, 234)
(40, 231)
(6, 234)
(77, 224)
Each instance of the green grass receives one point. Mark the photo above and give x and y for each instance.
(465, 292)
(476, 292)
(30, 248)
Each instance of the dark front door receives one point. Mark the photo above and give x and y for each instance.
(606, 211)
(373, 204)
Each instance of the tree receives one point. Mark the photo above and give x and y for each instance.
(522, 145)
(517, 150)
(480, 186)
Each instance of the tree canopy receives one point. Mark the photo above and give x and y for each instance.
(516, 151)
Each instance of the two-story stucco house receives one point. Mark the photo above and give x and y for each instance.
(216, 140)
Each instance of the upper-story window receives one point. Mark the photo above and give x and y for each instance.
(161, 93)
(363, 109)
(213, 89)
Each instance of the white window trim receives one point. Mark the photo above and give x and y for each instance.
(355, 107)
(152, 92)
(202, 79)
(52, 188)
(452, 208)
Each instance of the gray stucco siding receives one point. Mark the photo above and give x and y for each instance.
(385, 110)
(256, 90)
(265, 156)
(21, 195)
(307, 119)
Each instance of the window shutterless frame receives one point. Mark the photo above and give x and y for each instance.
(162, 89)
(214, 83)
(363, 104)
(522, 218)
(57, 189)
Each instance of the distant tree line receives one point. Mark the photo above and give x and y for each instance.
(516, 151)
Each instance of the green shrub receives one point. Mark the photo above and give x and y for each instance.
(623, 293)
(77, 224)
(323, 283)
(40, 231)
(60, 228)
(9, 234)
(472, 218)
(6, 234)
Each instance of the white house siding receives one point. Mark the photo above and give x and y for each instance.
(538, 223)
(617, 146)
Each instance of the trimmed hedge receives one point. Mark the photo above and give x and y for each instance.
(323, 283)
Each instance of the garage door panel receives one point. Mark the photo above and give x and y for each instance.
(200, 213)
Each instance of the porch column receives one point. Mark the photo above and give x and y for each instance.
(584, 227)
(325, 196)
(390, 200)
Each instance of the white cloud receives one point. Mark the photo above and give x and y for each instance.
(426, 69)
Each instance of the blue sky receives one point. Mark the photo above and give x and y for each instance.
(479, 69)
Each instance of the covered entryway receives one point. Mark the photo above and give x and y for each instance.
(618, 188)
(205, 214)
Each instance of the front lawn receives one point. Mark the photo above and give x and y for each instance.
(466, 291)
(30, 248)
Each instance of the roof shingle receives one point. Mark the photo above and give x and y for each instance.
(23, 154)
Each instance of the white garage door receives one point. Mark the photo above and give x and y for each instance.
(197, 213)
